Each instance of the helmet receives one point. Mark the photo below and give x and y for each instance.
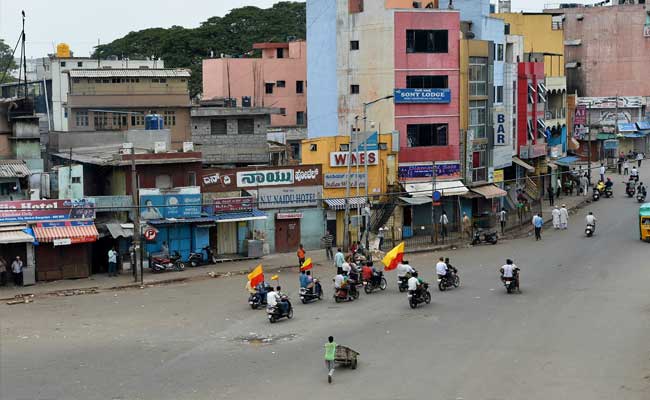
(508, 261)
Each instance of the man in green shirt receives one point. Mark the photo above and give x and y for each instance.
(330, 353)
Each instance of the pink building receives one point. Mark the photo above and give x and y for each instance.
(278, 79)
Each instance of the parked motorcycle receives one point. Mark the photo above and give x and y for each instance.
(275, 312)
(419, 296)
(162, 264)
(589, 230)
(596, 194)
(511, 284)
(309, 295)
(451, 280)
(484, 236)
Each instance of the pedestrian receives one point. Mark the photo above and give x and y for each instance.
(3, 271)
(17, 271)
(301, 255)
(564, 217)
(559, 187)
(467, 226)
(380, 236)
(602, 172)
(330, 356)
(556, 217)
(444, 221)
(538, 222)
(551, 196)
(112, 262)
(503, 216)
(639, 158)
(339, 258)
(520, 211)
(165, 249)
(626, 167)
(584, 184)
(328, 242)
(621, 159)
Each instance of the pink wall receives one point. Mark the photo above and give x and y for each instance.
(248, 76)
(407, 64)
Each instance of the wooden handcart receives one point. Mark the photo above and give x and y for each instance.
(346, 356)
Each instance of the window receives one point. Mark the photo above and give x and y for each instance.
(163, 80)
(427, 82)
(531, 133)
(479, 166)
(498, 52)
(300, 118)
(280, 83)
(354, 45)
(137, 119)
(478, 118)
(283, 111)
(498, 94)
(478, 76)
(423, 135)
(541, 93)
(115, 120)
(80, 64)
(63, 63)
(218, 127)
(426, 41)
(313, 147)
(383, 146)
(76, 179)
(279, 53)
(531, 94)
(106, 81)
(115, 80)
(169, 118)
(344, 147)
(354, 89)
(163, 182)
(81, 118)
(300, 87)
(245, 126)
(268, 88)
(100, 120)
(191, 178)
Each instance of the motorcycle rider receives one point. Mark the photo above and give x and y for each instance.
(415, 284)
(339, 281)
(284, 306)
(634, 174)
(272, 298)
(641, 188)
(600, 186)
(450, 267)
(510, 270)
(609, 184)
(404, 270)
(441, 269)
(590, 219)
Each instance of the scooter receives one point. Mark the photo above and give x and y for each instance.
(197, 258)
(589, 230)
(596, 194)
(162, 264)
(275, 312)
(377, 282)
(609, 192)
(258, 299)
(484, 236)
(451, 280)
(348, 293)
(629, 189)
(418, 297)
(511, 283)
(309, 295)
(640, 197)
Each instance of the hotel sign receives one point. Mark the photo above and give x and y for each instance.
(226, 180)
(422, 96)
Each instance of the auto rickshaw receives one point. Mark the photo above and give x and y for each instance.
(644, 222)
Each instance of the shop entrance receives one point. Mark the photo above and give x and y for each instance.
(287, 235)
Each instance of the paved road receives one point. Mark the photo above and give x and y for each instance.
(578, 331)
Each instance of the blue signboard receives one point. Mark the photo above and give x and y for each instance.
(372, 141)
(170, 206)
(446, 170)
(643, 125)
(422, 96)
(626, 127)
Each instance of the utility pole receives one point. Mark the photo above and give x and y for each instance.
(136, 223)
(589, 142)
(346, 218)
(366, 218)
(434, 173)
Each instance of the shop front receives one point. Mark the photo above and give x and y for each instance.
(445, 197)
(17, 241)
(233, 229)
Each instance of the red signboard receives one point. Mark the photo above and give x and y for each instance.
(581, 116)
(233, 204)
(46, 210)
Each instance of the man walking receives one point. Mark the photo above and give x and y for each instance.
(380, 236)
(556, 217)
(328, 241)
(444, 221)
(602, 172)
(626, 167)
(621, 159)
(564, 217)
(467, 226)
(639, 158)
(339, 258)
(538, 222)
(330, 355)
(551, 196)
(584, 184)
(112, 262)
(17, 271)
(503, 216)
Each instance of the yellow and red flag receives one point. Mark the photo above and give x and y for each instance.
(393, 257)
(307, 265)
(256, 276)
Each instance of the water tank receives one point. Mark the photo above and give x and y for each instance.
(246, 101)
(63, 50)
(153, 122)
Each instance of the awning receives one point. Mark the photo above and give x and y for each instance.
(339, 204)
(523, 164)
(14, 234)
(566, 161)
(489, 191)
(447, 188)
(633, 135)
(416, 201)
(643, 125)
(240, 216)
(172, 221)
(118, 230)
(76, 233)
(552, 165)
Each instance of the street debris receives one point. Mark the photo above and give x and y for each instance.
(255, 339)
(77, 292)
(21, 299)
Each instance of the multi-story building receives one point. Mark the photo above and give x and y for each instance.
(120, 99)
(278, 79)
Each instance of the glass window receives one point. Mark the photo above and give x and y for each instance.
(100, 120)
(478, 117)
(300, 118)
(283, 111)
(498, 52)
(137, 119)
(498, 94)
(354, 45)
(169, 118)
(423, 135)
(280, 83)
(426, 41)
(479, 166)
(427, 82)
(191, 178)
(218, 127)
(279, 53)
(245, 126)
(163, 182)
(268, 88)
(354, 89)
(81, 118)
(478, 76)
(300, 87)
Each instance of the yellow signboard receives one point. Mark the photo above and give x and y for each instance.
(498, 176)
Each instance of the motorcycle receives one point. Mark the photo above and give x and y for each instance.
(197, 258)
(609, 192)
(511, 284)
(629, 189)
(419, 296)
(484, 236)
(275, 312)
(309, 295)
(379, 282)
(596, 194)
(640, 197)
(162, 264)
(258, 299)
(403, 283)
(589, 230)
(450, 280)
(347, 293)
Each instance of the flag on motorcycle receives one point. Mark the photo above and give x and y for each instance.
(393, 257)
(256, 276)
(307, 265)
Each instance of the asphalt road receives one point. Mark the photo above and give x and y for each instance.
(578, 330)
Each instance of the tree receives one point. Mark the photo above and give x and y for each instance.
(7, 62)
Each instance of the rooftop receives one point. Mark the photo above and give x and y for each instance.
(14, 169)
(129, 73)
(111, 156)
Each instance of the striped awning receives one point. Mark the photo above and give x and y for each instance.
(76, 234)
(339, 204)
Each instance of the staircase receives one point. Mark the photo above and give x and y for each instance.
(381, 215)
(531, 189)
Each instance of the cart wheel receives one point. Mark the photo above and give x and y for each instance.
(353, 363)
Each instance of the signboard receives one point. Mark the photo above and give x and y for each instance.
(469, 156)
(358, 142)
(228, 180)
(627, 127)
(422, 96)
(46, 210)
(341, 158)
(611, 144)
(498, 176)
(62, 242)
(500, 134)
(610, 102)
(295, 215)
(532, 151)
(501, 157)
(68, 241)
(172, 203)
(445, 170)
(289, 197)
(580, 132)
(150, 234)
(334, 181)
(233, 204)
(580, 117)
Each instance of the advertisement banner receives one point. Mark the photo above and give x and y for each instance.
(228, 180)
(498, 175)
(289, 197)
(233, 204)
(46, 210)
(173, 203)
(445, 170)
(334, 181)
(580, 117)
(341, 158)
(422, 96)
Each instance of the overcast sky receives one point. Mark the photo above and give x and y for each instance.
(80, 23)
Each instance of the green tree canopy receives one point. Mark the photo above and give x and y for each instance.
(7, 62)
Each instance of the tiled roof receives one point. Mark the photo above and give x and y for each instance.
(14, 169)
(130, 73)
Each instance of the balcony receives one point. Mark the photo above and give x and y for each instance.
(554, 117)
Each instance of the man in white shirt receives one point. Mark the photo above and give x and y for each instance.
(634, 173)
(346, 267)
(602, 172)
(441, 268)
(339, 279)
(414, 283)
(112, 262)
(590, 219)
(444, 221)
(272, 298)
(510, 270)
(403, 269)
(639, 158)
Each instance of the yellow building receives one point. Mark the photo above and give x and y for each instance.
(333, 154)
